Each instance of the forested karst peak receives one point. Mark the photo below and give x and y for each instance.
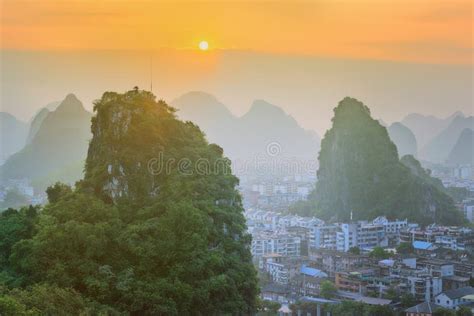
(360, 173)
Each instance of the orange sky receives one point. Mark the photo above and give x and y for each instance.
(427, 31)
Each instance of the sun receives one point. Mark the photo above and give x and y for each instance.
(203, 45)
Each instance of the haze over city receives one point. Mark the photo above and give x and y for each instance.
(237, 157)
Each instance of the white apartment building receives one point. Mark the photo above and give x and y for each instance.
(346, 237)
(323, 236)
(391, 227)
(469, 212)
(370, 236)
(283, 244)
(361, 234)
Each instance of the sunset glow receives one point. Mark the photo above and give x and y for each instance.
(203, 45)
(415, 31)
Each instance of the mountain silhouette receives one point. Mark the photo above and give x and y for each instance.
(463, 151)
(438, 149)
(403, 138)
(12, 135)
(248, 136)
(360, 174)
(58, 148)
(35, 123)
(427, 127)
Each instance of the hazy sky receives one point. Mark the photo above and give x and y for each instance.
(398, 56)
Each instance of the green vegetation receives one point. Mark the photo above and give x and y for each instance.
(408, 300)
(405, 248)
(464, 311)
(354, 250)
(127, 240)
(13, 199)
(457, 194)
(379, 253)
(14, 227)
(359, 172)
(444, 312)
(268, 308)
(328, 289)
(44, 299)
(351, 308)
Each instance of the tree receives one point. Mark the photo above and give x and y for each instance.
(379, 253)
(457, 194)
(56, 191)
(348, 308)
(391, 294)
(43, 299)
(408, 300)
(304, 308)
(15, 225)
(269, 307)
(354, 250)
(464, 311)
(444, 312)
(328, 289)
(378, 310)
(405, 248)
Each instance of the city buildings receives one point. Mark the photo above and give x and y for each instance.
(298, 253)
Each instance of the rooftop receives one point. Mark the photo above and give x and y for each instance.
(373, 300)
(458, 293)
(422, 245)
(425, 307)
(313, 272)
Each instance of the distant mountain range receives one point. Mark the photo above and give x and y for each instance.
(439, 148)
(12, 135)
(56, 143)
(463, 150)
(403, 138)
(437, 137)
(426, 127)
(35, 124)
(56, 148)
(264, 127)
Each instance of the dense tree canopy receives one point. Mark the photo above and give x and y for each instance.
(140, 241)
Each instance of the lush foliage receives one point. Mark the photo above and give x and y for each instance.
(405, 248)
(268, 307)
(14, 226)
(457, 194)
(44, 299)
(379, 253)
(143, 243)
(408, 300)
(354, 250)
(328, 289)
(351, 308)
(464, 311)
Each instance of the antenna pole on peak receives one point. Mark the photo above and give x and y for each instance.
(151, 72)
